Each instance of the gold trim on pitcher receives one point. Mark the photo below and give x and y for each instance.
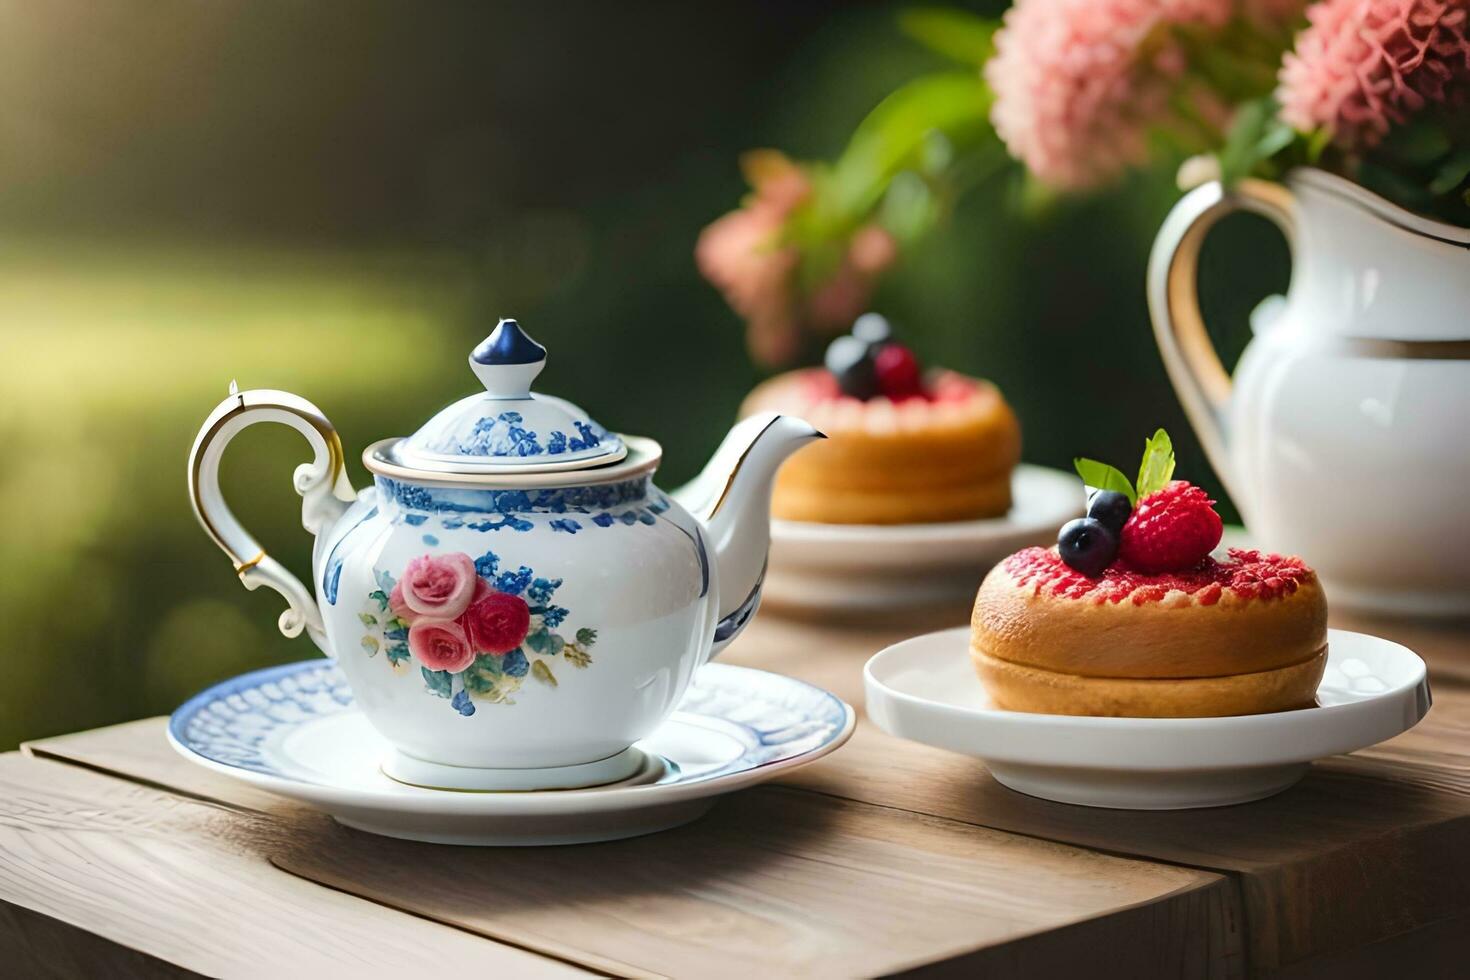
(1401, 350)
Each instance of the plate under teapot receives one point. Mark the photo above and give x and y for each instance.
(295, 731)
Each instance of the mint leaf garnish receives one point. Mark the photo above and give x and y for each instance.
(1157, 467)
(1101, 476)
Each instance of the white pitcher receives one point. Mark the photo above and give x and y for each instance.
(1344, 435)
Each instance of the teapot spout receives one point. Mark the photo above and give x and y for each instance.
(732, 498)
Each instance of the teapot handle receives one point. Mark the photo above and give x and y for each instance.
(1200, 380)
(322, 483)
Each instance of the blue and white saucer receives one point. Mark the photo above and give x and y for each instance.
(294, 730)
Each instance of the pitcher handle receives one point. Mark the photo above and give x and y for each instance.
(1200, 380)
(322, 484)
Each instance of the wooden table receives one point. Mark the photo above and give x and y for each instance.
(118, 857)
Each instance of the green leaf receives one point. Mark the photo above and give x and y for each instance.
(438, 681)
(370, 645)
(382, 598)
(893, 138)
(1318, 143)
(1419, 143)
(554, 644)
(1256, 135)
(936, 155)
(397, 653)
(955, 34)
(909, 208)
(539, 640)
(586, 637)
(1277, 137)
(1452, 172)
(541, 672)
(1399, 188)
(1035, 199)
(368, 619)
(487, 681)
(481, 675)
(1157, 467)
(1101, 476)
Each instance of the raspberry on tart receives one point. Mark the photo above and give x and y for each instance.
(902, 446)
(1170, 528)
(1159, 629)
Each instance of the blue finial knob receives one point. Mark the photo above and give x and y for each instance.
(508, 344)
(507, 361)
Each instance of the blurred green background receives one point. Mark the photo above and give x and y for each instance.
(339, 199)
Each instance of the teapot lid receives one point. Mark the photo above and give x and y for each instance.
(506, 428)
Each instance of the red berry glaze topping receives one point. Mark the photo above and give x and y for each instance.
(1170, 530)
(1249, 574)
(898, 372)
(940, 386)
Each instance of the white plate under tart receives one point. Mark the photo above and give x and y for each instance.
(925, 689)
(871, 566)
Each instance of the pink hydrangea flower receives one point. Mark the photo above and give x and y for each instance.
(1079, 82)
(1363, 66)
(440, 644)
(743, 255)
(436, 586)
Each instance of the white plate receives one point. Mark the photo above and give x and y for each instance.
(294, 730)
(925, 689)
(869, 566)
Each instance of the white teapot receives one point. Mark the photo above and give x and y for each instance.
(1343, 435)
(513, 602)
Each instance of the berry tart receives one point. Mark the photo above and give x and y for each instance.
(1131, 615)
(903, 446)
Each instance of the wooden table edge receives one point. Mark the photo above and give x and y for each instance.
(1211, 884)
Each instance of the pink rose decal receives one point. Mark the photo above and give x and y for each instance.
(440, 644)
(438, 586)
(497, 622)
(399, 607)
(474, 630)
